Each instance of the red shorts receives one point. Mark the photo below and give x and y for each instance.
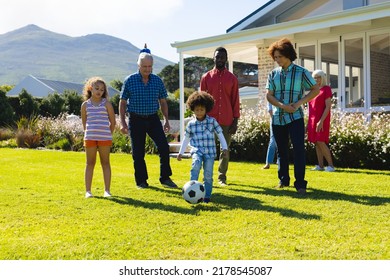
(96, 143)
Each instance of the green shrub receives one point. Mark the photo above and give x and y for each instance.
(354, 141)
(6, 133)
(120, 142)
(28, 134)
(251, 140)
(7, 113)
(62, 144)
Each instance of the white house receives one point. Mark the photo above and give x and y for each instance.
(348, 39)
(38, 87)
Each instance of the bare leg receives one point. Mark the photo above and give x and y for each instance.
(325, 151)
(89, 167)
(320, 156)
(104, 153)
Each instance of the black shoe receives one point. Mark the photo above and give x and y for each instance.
(143, 185)
(301, 191)
(169, 184)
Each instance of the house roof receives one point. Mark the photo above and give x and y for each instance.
(38, 87)
(257, 13)
(243, 45)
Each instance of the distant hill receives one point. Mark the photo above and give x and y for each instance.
(45, 54)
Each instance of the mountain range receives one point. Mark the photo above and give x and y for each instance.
(49, 55)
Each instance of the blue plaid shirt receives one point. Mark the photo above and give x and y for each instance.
(202, 136)
(143, 99)
(288, 86)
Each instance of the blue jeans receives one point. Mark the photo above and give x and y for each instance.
(151, 125)
(271, 148)
(294, 131)
(208, 165)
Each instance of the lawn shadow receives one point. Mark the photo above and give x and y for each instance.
(317, 194)
(246, 203)
(368, 172)
(152, 205)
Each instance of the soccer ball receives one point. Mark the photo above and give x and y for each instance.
(193, 192)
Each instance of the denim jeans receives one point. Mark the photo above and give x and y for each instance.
(294, 131)
(271, 148)
(152, 126)
(208, 165)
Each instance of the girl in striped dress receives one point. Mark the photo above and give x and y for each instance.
(98, 117)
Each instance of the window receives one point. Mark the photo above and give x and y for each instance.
(307, 55)
(353, 76)
(330, 65)
(379, 69)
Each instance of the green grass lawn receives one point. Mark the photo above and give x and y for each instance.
(44, 215)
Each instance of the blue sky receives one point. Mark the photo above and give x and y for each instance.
(156, 22)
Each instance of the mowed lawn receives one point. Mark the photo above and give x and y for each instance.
(44, 215)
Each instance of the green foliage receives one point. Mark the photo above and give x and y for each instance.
(54, 130)
(116, 84)
(6, 133)
(194, 68)
(27, 105)
(72, 102)
(354, 142)
(28, 134)
(173, 108)
(187, 92)
(55, 104)
(7, 114)
(251, 140)
(46, 217)
(115, 102)
(169, 74)
(120, 142)
(62, 144)
(52, 105)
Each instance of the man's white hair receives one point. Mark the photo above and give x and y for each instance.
(142, 56)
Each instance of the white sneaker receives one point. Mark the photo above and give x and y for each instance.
(317, 168)
(88, 195)
(330, 169)
(107, 194)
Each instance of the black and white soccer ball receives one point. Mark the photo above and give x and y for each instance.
(193, 192)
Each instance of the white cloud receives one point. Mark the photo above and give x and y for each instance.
(82, 17)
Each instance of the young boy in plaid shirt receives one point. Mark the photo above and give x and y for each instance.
(200, 134)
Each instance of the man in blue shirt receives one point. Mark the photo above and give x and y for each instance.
(286, 87)
(143, 93)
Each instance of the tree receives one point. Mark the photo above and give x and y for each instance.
(194, 68)
(116, 84)
(115, 102)
(52, 105)
(73, 102)
(6, 111)
(27, 105)
(169, 75)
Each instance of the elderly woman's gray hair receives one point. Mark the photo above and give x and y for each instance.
(320, 73)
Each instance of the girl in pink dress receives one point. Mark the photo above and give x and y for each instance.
(318, 125)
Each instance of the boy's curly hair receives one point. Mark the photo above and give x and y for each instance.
(200, 98)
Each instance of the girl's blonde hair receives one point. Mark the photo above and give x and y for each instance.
(322, 75)
(87, 90)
